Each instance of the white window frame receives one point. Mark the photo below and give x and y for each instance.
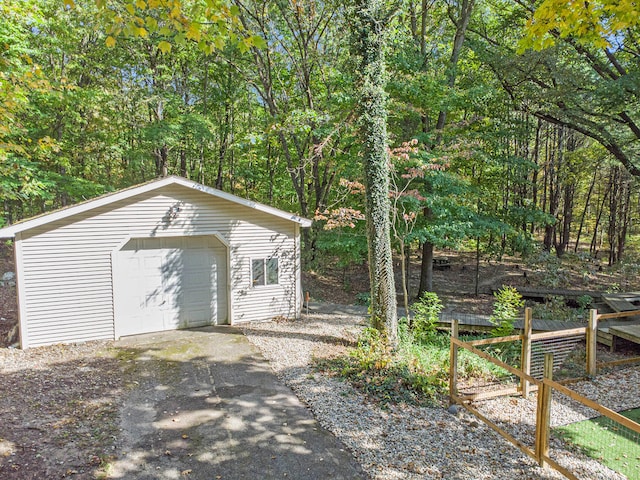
(264, 262)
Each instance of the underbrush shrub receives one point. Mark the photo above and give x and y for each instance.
(373, 351)
(426, 311)
(363, 298)
(555, 308)
(385, 375)
(416, 372)
(505, 311)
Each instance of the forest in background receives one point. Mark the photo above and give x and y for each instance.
(495, 148)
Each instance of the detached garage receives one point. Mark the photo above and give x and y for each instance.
(160, 256)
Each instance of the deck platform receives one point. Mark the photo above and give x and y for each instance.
(622, 302)
(628, 332)
(540, 293)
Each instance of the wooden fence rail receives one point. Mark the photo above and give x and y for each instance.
(545, 386)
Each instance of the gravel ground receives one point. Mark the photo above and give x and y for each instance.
(408, 442)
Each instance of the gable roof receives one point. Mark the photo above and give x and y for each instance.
(11, 230)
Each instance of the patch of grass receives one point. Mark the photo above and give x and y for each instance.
(385, 376)
(416, 373)
(610, 443)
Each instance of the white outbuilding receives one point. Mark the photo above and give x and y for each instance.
(164, 255)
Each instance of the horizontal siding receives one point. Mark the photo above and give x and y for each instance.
(38, 312)
(69, 337)
(76, 330)
(67, 263)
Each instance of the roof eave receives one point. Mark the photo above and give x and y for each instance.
(12, 230)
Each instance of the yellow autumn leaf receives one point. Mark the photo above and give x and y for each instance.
(164, 47)
(193, 33)
(69, 3)
(130, 8)
(142, 32)
(141, 4)
(110, 41)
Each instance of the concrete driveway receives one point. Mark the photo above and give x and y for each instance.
(204, 404)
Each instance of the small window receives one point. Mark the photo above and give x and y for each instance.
(272, 271)
(257, 269)
(264, 271)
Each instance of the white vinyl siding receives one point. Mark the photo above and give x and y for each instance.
(66, 289)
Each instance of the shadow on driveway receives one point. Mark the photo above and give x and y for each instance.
(204, 404)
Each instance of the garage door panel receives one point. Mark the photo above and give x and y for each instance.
(198, 279)
(198, 298)
(168, 283)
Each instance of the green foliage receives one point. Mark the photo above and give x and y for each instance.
(596, 23)
(416, 372)
(349, 245)
(425, 315)
(584, 302)
(91, 101)
(506, 309)
(373, 351)
(552, 272)
(555, 308)
(386, 376)
(363, 298)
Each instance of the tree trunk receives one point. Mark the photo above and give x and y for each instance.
(426, 270)
(567, 219)
(586, 208)
(369, 29)
(183, 163)
(461, 23)
(593, 249)
(405, 288)
(534, 179)
(477, 275)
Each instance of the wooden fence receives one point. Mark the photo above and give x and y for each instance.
(545, 386)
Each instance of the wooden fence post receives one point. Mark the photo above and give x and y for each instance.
(453, 362)
(525, 356)
(543, 422)
(591, 339)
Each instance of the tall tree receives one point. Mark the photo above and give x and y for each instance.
(369, 29)
(588, 87)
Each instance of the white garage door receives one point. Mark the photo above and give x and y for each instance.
(169, 283)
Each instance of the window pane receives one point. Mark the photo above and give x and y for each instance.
(272, 271)
(257, 272)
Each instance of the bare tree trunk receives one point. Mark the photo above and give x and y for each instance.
(477, 276)
(405, 288)
(534, 179)
(567, 218)
(461, 22)
(586, 208)
(593, 248)
(426, 272)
